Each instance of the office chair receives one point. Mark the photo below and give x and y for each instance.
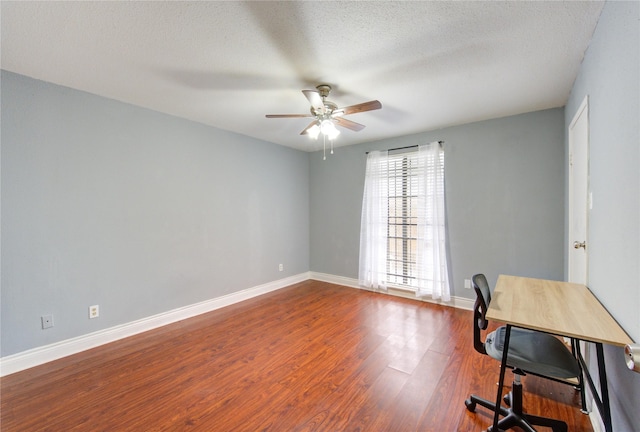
(530, 352)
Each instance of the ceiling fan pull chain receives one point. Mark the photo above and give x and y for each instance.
(324, 147)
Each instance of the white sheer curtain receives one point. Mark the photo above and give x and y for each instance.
(373, 229)
(432, 274)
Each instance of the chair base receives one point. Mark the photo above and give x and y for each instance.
(514, 416)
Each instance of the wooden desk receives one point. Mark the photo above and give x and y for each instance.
(561, 308)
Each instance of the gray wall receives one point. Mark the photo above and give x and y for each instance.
(106, 203)
(610, 76)
(504, 191)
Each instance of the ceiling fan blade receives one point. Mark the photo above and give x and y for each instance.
(362, 107)
(340, 121)
(305, 130)
(287, 115)
(316, 100)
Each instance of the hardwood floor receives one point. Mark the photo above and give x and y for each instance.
(310, 357)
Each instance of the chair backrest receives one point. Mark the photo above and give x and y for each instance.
(483, 298)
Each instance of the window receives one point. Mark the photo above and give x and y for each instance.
(402, 223)
(402, 241)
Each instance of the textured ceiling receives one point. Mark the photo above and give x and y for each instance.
(227, 64)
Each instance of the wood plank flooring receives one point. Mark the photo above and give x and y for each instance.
(310, 357)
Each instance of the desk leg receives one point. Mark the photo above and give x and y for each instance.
(601, 399)
(577, 353)
(503, 368)
(604, 389)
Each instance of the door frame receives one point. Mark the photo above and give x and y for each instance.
(594, 414)
(571, 236)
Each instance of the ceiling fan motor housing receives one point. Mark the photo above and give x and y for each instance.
(323, 91)
(330, 107)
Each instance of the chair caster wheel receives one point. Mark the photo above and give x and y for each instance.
(471, 406)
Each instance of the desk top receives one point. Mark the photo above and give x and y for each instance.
(561, 308)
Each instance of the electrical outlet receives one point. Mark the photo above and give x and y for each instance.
(280, 267)
(47, 321)
(94, 311)
(467, 283)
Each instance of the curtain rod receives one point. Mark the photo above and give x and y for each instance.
(408, 147)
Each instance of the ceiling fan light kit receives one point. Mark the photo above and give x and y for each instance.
(329, 129)
(327, 115)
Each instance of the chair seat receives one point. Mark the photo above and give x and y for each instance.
(535, 352)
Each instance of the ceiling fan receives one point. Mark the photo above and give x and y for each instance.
(327, 115)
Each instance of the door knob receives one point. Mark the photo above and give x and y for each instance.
(578, 245)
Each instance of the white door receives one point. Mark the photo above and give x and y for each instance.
(579, 200)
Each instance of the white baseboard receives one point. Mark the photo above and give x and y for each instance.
(594, 414)
(457, 302)
(596, 421)
(338, 280)
(40, 355)
(44, 354)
